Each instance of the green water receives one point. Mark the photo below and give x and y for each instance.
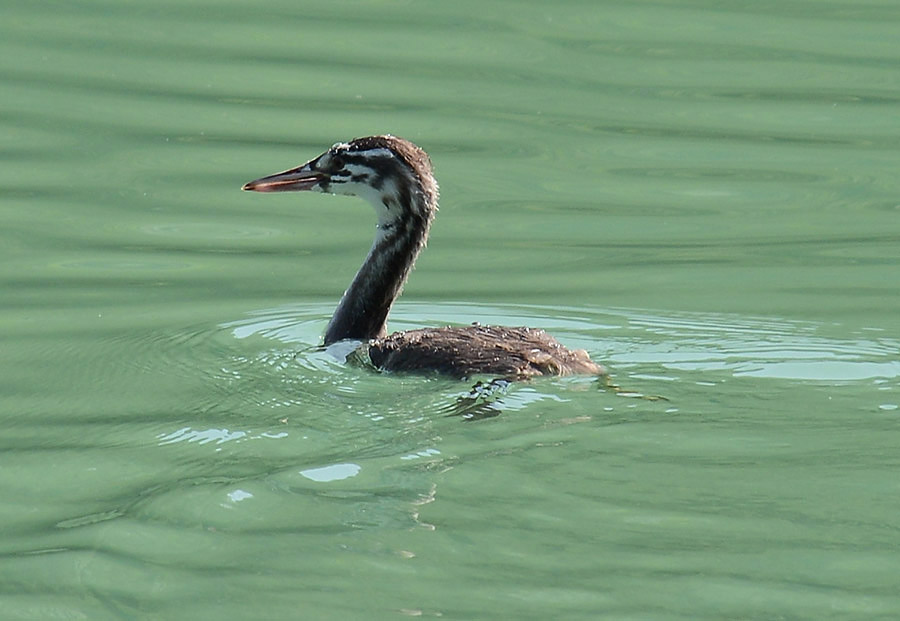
(703, 195)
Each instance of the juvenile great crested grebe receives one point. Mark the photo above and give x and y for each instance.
(396, 177)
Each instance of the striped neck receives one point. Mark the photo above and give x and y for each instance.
(405, 208)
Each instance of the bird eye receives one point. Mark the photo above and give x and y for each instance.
(337, 163)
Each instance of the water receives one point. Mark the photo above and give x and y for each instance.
(703, 196)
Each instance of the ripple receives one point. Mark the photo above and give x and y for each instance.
(623, 338)
(729, 174)
(757, 347)
(209, 231)
(264, 376)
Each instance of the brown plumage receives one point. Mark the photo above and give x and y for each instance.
(396, 177)
(514, 353)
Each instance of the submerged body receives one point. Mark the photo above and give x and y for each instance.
(499, 351)
(396, 177)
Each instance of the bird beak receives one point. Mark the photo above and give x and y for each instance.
(293, 180)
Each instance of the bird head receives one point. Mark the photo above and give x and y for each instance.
(387, 171)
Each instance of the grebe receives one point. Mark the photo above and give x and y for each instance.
(396, 177)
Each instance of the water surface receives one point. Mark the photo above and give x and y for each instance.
(703, 196)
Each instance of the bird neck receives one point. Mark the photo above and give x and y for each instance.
(364, 307)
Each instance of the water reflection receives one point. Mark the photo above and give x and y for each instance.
(217, 436)
(334, 472)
